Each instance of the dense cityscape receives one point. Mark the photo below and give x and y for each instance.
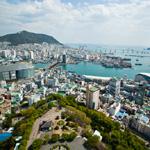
(74, 75)
(32, 75)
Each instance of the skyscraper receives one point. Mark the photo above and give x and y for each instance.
(92, 97)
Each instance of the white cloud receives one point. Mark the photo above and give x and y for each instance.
(110, 23)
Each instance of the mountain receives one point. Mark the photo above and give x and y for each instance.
(28, 37)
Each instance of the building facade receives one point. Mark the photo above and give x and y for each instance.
(16, 71)
(92, 97)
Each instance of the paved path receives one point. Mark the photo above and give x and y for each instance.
(49, 116)
(77, 144)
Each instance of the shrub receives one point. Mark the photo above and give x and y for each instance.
(64, 137)
(51, 104)
(61, 122)
(66, 147)
(86, 133)
(65, 127)
(46, 138)
(72, 124)
(71, 136)
(92, 142)
(63, 115)
(54, 138)
(36, 145)
(68, 137)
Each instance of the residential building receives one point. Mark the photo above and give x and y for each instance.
(92, 97)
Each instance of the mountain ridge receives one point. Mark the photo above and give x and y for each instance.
(24, 37)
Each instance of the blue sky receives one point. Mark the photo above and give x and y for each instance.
(121, 22)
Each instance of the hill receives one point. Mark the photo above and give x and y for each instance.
(28, 37)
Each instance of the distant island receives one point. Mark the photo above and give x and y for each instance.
(24, 37)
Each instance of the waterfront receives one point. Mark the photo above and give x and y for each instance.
(138, 55)
(89, 68)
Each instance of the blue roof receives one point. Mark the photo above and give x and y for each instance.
(4, 136)
(144, 118)
(121, 114)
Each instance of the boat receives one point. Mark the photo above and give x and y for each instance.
(126, 59)
(138, 64)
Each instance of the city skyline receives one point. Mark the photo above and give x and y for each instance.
(117, 22)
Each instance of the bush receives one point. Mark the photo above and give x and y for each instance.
(71, 136)
(86, 133)
(7, 122)
(64, 137)
(92, 142)
(68, 137)
(66, 147)
(60, 122)
(72, 124)
(65, 128)
(46, 139)
(36, 145)
(51, 104)
(64, 115)
(54, 138)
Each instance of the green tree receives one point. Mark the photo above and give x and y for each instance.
(36, 145)
(92, 142)
(46, 139)
(54, 138)
(64, 137)
(71, 136)
(7, 122)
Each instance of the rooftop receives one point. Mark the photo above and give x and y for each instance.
(96, 77)
(17, 66)
(93, 89)
(145, 74)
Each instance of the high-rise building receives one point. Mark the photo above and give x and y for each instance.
(114, 87)
(92, 97)
(31, 55)
(14, 54)
(64, 59)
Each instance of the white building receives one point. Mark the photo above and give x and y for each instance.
(114, 109)
(32, 55)
(97, 133)
(34, 98)
(92, 96)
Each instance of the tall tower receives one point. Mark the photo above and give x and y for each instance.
(92, 97)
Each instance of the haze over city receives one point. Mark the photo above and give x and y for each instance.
(120, 22)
